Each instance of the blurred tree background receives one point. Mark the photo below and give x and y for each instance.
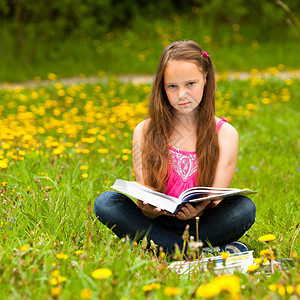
(71, 37)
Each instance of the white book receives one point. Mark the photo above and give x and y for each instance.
(235, 262)
(173, 204)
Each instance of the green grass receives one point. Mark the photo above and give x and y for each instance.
(50, 132)
(136, 50)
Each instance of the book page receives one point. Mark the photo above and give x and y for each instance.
(146, 194)
(222, 195)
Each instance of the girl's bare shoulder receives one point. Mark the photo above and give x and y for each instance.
(139, 129)
(226, 130)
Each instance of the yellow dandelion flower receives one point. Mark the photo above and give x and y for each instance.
(150, 287)
(5, 146)
(254, 71)
(272, 287)
(229, 283)
(84, 167)
(265, 252)
(225, 255)
(78, 252)
(267, 238)
(5, 183)
(3, 164)
(86, 294)
(102, 138)
(48, 188)
(61, 278)
(21, 152)
(101, 273)
(61, 93)
(103, 151)
(125, 157)
(25, 248)
(93, 130)
(52, 76)
(298, 288)
(253, 268)
(126, 151)
(266, 100)
(258, 260)
(290, 289)
(28, 189)
(288, 81)
(61, 256)
(208, 290)
(58, 150)
(55, 273)
(53, 281)
(59, 86)
(85, 175)
(281, 290)
(55, 292)
(172, 291)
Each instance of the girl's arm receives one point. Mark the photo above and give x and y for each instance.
(228, 152)
(147, 209)
(137, 152)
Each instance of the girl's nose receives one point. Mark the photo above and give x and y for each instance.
(182, 93)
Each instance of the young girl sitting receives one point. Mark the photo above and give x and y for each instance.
(181, 145)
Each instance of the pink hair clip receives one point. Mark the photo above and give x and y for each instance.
(205, 54)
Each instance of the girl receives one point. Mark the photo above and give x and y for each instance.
(181, 145)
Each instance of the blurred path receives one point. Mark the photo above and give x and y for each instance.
(147, 79)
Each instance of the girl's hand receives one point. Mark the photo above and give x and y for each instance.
(188, 211)
(151, 211)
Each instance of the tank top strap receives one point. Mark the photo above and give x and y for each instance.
(220, 123)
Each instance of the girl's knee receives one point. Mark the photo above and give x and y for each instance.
(109, 202)
(249, 206)
(102, 202)
(247, 209)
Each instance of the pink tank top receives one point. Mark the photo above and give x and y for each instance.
(183, 168)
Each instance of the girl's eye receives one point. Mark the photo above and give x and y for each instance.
(172, 86)
(191, 83)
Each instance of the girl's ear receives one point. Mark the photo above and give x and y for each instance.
(205, 78)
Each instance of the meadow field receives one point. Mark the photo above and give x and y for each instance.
(62, 145)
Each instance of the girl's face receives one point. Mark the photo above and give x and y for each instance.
(184, 85)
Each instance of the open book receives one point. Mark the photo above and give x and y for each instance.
(173, 204)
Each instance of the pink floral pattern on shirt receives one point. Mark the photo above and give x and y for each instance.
(183, 163)
(183, 168)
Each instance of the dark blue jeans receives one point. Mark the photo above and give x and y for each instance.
(223, 224)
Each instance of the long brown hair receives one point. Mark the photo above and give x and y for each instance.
(156, 137)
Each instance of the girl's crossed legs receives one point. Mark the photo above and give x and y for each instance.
(223, 224)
